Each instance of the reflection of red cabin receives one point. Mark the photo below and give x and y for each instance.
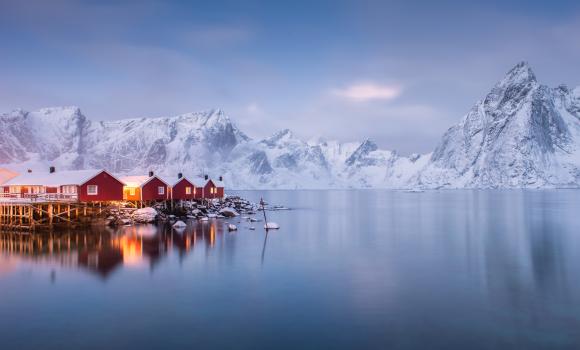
(183, 189)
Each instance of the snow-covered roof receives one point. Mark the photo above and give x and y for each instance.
(58, 178)
(218, 183)
(139, 180)
(198, 181)
(172, 181)
(6, 174)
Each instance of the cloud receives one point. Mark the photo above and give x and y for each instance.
(254, 109)
(363, 92)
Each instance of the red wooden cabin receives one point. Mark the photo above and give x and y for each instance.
(145, 188)
(183, 189)
(102, 187)
(210, 190)
(199, 186)
(81, 185)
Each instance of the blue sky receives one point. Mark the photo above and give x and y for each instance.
(398, 72)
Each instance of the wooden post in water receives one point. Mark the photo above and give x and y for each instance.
(264, 211)
(50, 214)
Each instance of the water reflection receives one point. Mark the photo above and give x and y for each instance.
(352, 269)
(102, 251)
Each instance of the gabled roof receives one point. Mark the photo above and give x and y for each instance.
(174, 182)
(198, 181)
(58, 178)
(218, 183)
(140, 180)
(6, 174)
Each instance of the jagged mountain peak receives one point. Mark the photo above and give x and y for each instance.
(60, 111)
(280, 137)
(521, 135)
(521, 73)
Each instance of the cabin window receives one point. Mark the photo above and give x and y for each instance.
(194, 190)
(131, 191)
(161, 190)
(188, 190)
(69, 189)
(92, 190)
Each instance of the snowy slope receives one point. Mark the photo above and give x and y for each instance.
(522, 134)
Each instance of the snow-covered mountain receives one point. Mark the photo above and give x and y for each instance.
(522, 134)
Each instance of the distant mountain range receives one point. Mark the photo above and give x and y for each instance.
(521, 135)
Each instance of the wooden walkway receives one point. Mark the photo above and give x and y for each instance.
(39, 215)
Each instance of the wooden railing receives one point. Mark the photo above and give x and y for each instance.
(38, 197)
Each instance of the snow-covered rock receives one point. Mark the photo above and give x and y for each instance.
(232, 227)
(271, 226)
(144, 215)
(179, 224)
(228, 212)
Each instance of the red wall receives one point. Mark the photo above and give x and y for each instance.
(220, 192)
(206, 191)
(198, 192)
(149, 191)
(179, 190)
(110, 189)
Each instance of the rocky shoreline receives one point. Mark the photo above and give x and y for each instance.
(230, 206)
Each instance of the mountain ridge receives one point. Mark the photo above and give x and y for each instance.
(522, 134)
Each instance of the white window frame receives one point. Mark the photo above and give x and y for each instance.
(90, 193)
(160, 190)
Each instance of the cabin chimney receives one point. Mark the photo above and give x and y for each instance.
(151, 173)
(206, 177)
(52, 169)
(179, 175)
(221, 178)
(29, 170)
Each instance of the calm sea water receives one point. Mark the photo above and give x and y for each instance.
(348, 269)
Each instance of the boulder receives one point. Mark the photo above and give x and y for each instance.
(271, 226)
(144, 215)
(229, 212)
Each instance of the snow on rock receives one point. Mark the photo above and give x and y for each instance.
(271, 226)
(144, 215)
(228, 212)
(232, 227)
(521, 134)
(179, 224)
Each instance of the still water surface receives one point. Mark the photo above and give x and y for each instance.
(348, 269)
